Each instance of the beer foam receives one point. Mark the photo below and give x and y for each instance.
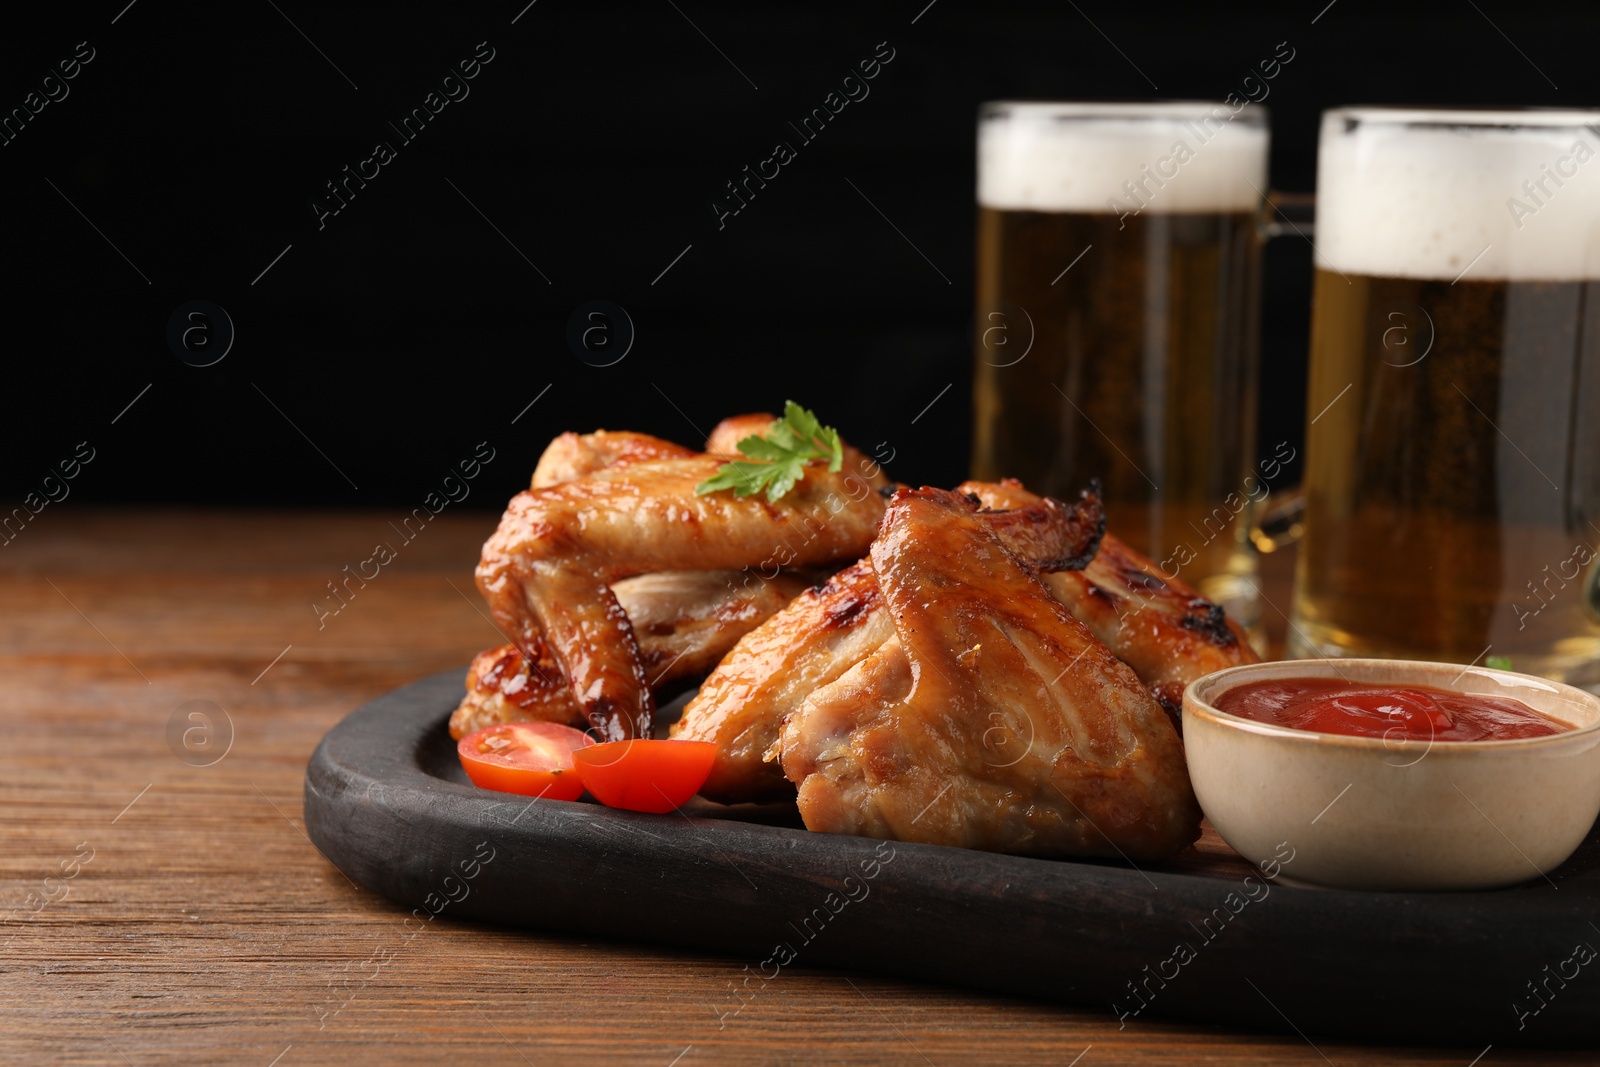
(1433, 194)
(1076, 157)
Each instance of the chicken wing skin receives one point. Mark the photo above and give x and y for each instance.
(725, 436)
(992, 718)
(547, 571)
(809, 643)
(825, 631)
(1161, 627)
(571, 456)
(503, 686)
(685, 622)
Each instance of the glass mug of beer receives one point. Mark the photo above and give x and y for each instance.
(1117, 328)
(1453, 448)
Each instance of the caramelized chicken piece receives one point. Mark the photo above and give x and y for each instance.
(1161, 627)
(992, 718)
(548, 570)
(685, 622)
(572, 455)
(503, 685)
(823, 633)
(1006, 493)
(726, 435)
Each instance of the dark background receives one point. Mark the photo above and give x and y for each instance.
(380, 349)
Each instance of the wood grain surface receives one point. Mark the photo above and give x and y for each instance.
(156, 910)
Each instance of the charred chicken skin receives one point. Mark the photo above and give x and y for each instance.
(1161, 627)
(991, 718)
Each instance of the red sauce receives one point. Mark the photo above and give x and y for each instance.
(1401, 713)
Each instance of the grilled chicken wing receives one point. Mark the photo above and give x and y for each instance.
(1161, 627)
(548, 571)
(684, 621)
(992, 718)
(827, 630)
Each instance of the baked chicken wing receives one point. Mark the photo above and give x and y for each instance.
(1161, 627)
(615, 507)
(991, 718)
(824, 632)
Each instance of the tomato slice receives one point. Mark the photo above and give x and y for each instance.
(644, 775)
(533, 759)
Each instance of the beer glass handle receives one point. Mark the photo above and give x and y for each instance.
(1288, 213)
(1282, 523)
(1594, 590)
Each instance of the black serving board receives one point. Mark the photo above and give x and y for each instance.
(388, 804)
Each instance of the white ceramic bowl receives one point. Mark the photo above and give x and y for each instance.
(1373, 813)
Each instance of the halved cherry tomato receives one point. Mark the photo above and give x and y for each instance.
(530, 758)
(643, 775)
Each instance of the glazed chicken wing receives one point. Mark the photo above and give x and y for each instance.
(548, 572)
(825, 631)
(991, 718)
(684, 621)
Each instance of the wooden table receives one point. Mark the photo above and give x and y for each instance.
(188, 919)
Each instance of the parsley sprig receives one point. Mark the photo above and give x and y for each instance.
(778, 458)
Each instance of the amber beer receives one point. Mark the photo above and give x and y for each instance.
(1116, 324)
(1453, 455)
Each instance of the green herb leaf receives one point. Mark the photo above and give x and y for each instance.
(1499, 663)
(780, 456)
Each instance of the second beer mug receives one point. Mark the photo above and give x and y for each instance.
(1453, 455)
(1117, 322)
